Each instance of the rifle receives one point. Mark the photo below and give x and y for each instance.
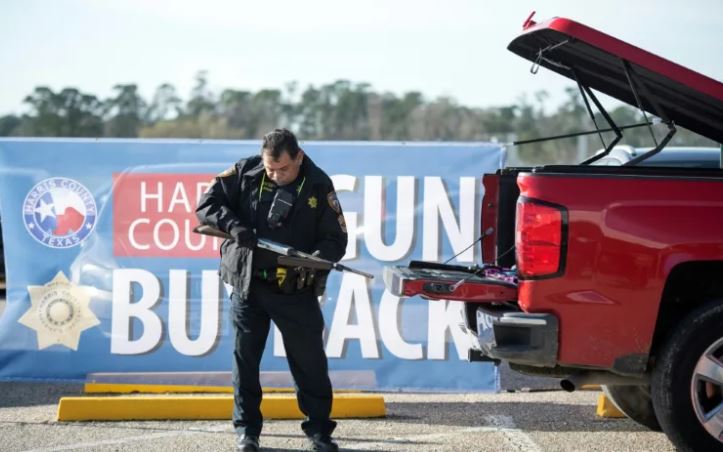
(288, 256)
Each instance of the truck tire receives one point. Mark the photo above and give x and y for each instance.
(687, 381)
(635, 402)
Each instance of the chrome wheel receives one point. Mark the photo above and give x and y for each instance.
(706, 390)
(687, 380)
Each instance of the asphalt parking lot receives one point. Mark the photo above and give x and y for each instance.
(537, 419)
(508, 421)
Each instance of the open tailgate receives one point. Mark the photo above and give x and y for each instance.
(451, 282)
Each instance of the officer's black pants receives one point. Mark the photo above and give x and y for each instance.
(301, 324)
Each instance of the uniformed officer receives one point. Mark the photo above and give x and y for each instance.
(283, 196)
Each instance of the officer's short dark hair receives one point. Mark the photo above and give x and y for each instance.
(278, 141)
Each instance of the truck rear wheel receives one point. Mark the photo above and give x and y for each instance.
(687, 383)
(635, 402)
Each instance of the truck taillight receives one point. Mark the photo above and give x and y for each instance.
(540, 236)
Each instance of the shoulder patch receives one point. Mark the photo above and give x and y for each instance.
(334, 202)
(228, 172)
(342, 223)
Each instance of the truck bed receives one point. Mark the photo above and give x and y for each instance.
(629, 171)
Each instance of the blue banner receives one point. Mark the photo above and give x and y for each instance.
(104, 273)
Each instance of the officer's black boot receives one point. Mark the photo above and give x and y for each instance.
(322, 443)
(247, 443)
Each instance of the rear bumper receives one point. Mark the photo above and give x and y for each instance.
(498, 330)
(514, 336)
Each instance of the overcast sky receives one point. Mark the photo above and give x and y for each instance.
(442, 48)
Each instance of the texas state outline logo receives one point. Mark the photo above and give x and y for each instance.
(59, 212)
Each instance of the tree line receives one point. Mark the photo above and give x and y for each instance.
(341, 110)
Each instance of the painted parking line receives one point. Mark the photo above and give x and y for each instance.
(516, 438)
(130, 439)
(110, 442)
(413, 440)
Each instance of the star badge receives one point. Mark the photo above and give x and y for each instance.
(59, 312)
(313, 202)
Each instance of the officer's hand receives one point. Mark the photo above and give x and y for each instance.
(244, 237)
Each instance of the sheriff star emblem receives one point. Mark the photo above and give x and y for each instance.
(313, 202)
(59, 312)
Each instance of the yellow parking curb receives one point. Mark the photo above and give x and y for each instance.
(133, 388)
(273, 406)
(606, 408)
(124, 388)
(128, 388)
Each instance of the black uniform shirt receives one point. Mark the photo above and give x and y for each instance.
(264, 259)
(231, 205)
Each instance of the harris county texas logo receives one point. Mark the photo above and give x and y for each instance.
(59, 212)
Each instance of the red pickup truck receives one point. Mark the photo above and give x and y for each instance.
(604, 274)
